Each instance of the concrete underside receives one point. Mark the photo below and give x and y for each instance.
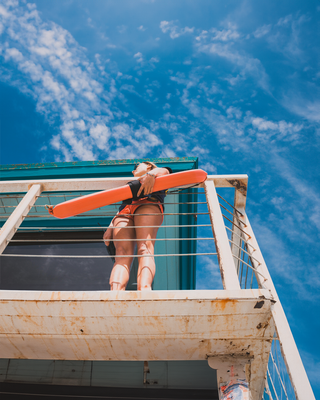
(158, 325)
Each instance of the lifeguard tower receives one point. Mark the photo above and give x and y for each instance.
(63, 333)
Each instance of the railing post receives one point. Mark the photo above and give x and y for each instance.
(295, 368)
(14, 221)
(228, 272)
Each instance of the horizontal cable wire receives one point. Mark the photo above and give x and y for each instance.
(239, 247)
(230, 205)
(235, 225)
(241, 238)
(109, 215)
(96, 240)
(250, 266)
(194, 193)
(112, 227)
(119, 204)
(234, 215)
(95, 256)
(76, 196)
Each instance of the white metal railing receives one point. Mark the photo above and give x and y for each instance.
(240, 259)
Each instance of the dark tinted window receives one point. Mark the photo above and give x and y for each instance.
(46, 273)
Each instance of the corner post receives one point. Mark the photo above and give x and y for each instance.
(227, 268)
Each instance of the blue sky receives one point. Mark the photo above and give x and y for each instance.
(235, 83)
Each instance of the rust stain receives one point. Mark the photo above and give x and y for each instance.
(238, 185)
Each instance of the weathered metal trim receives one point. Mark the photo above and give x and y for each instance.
(244, 294)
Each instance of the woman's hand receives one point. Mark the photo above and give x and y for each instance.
(147, 183)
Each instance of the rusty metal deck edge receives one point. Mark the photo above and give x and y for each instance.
(155, 295)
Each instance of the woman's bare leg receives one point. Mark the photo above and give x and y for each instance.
(147, 267)
(121, 270)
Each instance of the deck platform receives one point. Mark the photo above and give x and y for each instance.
(157, 325)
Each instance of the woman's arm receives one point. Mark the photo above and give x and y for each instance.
(147, 181)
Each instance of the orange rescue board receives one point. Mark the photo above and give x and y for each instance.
(90, 202)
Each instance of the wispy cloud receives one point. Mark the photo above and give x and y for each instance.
(247, 65)
(306, 108)
(66, 86)
(174, 30)
(284, 36)
(262, 31)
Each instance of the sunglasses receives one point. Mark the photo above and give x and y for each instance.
(136, 166)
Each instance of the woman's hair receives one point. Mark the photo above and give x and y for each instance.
(153, 166)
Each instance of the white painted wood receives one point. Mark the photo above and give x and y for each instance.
(295, 368)
(102, 183)
(14, 221)
(228, 272)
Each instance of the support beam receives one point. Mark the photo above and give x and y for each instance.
(295, 368)
(14, 221)
(228, 272)
(233, 376)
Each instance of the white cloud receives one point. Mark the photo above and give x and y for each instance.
(306, 108)
(132, 144)
(262, 31)
(138, 56)
(234, 112)
(247, 65)
(284, 36)
(224, 35)
(174, 30)
(209, 167)
(66, 86)
(168, 152)
(14, 54)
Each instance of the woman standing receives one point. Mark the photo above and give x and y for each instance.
(134, 213)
